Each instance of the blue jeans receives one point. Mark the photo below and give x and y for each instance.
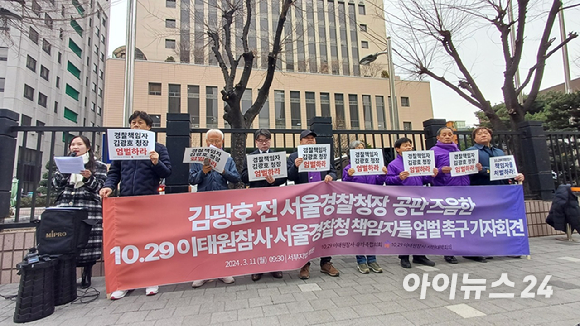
(366, 260)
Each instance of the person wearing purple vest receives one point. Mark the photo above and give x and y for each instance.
(445, 145)
(399, 177)
(365, 263)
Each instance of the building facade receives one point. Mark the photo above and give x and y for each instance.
(318, 71)
(52, 70)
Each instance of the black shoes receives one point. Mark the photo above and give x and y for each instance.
(86, 277)
(451, 259)
(422, 260)
(405, 263)
(479, 259)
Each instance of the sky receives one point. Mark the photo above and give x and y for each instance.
(481, 53)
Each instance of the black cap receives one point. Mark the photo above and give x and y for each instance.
(306, 133)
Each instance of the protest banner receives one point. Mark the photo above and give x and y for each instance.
(130, 144)
(502, 167)
(165, 239)
(463, 163)
(367, 161)
(207, 155)
(316, 157)
(266, 164)
(419, 162)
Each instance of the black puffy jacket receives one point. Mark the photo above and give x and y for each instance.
(564, 210)
(139, 177)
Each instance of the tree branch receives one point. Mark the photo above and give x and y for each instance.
(215, 48)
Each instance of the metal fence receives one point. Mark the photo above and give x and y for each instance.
(38, 145)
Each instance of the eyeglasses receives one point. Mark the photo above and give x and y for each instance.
(263, 141)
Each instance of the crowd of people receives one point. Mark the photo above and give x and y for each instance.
(142, 177)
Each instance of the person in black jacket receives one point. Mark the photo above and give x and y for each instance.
(263, 139)
(308, 137)
(138, 177)
(564, 210)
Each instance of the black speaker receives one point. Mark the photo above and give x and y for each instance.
(36, 291)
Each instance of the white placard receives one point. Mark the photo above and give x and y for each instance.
(130, 144)
(67, 164)
(267, 164)
(463, 163)
(316, 157)
(419, 162)
(502, 167)
(207, 155)
(367, 161)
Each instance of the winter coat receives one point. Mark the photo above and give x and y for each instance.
(372, 179)
(86, 196)
(214, 180)
(442, 159)
(482, 177)
(302, 177)
(396, 167)
(261, 183)
(139, 177)
(564, 210)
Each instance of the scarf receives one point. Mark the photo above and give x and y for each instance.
(76, 179)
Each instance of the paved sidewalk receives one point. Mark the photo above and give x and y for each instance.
(351, 299)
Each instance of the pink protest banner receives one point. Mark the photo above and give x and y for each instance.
(155, 240)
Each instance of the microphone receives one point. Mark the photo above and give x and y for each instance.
(73, 154)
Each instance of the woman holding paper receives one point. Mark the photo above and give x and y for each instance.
(82, 190)
(445, 145)
(369, 262)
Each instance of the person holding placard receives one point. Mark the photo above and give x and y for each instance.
(138, 177)
(308, 137)
(482, 137)
(82, 190)
(398, 176)
(208, 179)
(445, 145)
(262, 139)
(366, 263)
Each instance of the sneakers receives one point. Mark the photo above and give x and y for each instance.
(119, 294)
(227, 280)
(198, 283)
(363, 268)
(374, 266)
(422, 260)
(405, 263)
(451, 259)
(152, 290)
(327, 268)
(305, 272)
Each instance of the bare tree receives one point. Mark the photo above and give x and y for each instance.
(233, 91)
(430, 33)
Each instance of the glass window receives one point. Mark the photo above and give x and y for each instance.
(265, 114)
(193, 104)
(36, 7)
(70, 91)
(44, 72)
(155, 89)
(57, 82)
(362, 10)
(364, 44)
(55, 107)
(170, 3)
(169, 44)
(323, 41)
(405, 101)
(25, 120)
(211, 106)
(31, 63)
(295, 110)
(93, 106)
(368, 111)
(339, 111)
(2, 83)
(280, 109)
(42, 99)
(325, 104)
(381, 117)
(407, 125)
(353, 110)
(363, 27)
(3, 53)
(46, 47)
(48, 20)
(70, 115)
(170, 23)
(156, 120)
(246, 100)
(33, 35)
(310, 106)
(174, 98)
(343, 42)
(28, 92)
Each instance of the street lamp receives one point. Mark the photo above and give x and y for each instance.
(394, 111)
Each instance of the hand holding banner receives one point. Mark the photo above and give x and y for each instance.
(502, 167)
(267, 164)
(130, 144)
(463, 163)
(316, 157)
(367, 161)
(210, 155)
(419, 162)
